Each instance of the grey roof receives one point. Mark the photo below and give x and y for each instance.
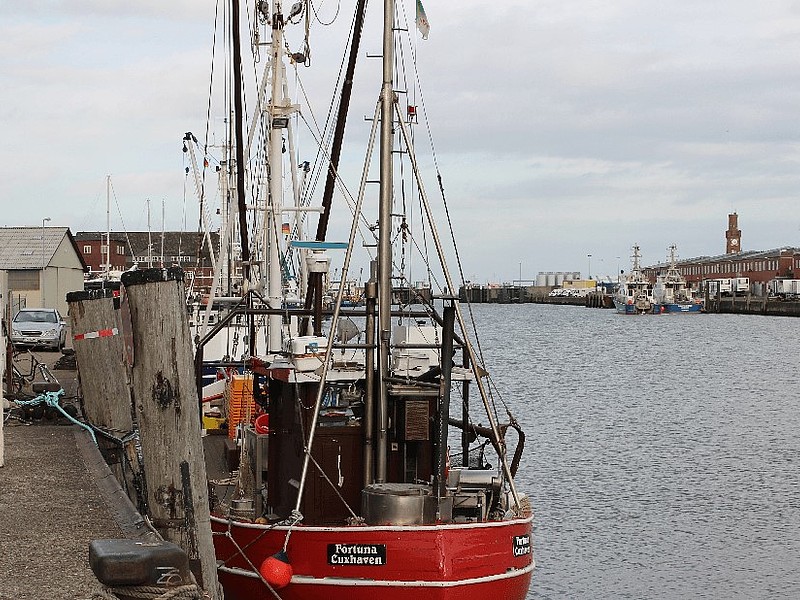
(746, 255)
(23, 247)
(93, 236)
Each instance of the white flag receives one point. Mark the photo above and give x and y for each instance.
(422, 21)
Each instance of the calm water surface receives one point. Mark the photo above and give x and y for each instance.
(662, 454)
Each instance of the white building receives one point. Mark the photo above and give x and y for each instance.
(43, 264)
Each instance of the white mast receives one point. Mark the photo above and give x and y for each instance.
(163, 233)
(149, 239)
(279, 111)
(108, 227)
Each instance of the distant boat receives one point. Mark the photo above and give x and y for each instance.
(634, 296)
(671, 292)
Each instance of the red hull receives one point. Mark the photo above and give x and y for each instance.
(464, 561)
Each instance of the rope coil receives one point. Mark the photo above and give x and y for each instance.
(147, 592)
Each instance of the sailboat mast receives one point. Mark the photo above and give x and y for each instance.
(149, 239)
(385, 238)
(163, 231)
(108, 226)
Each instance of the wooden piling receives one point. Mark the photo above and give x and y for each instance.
(98, 344)
(164, 393)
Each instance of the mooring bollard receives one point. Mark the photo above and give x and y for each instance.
(98, 344)
(133, 569)
(164, 394)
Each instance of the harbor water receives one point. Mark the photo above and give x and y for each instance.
(662, 451)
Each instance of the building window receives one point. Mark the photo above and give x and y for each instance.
(120, 250)
(103, 249)
(87, 249)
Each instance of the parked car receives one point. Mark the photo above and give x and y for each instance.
(40, 327)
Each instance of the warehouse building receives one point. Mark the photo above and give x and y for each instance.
(759, 266)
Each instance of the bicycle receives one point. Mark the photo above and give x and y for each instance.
(26, 368)
(30, 380)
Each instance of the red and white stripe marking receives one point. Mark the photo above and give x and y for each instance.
(101, 333)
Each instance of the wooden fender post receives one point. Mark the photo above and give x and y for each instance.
(164, 394)
(5, 314)
(97, 341)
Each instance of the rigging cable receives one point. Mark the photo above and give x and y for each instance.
(335, 15)
(444, 204)
(122, 221)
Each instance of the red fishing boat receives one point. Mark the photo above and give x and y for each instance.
(365, 455)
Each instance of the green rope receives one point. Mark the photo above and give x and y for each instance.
(53, 399)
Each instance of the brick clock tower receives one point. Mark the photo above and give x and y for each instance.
(733, 237)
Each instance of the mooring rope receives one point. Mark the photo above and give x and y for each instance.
(148, 592)
(52, 399)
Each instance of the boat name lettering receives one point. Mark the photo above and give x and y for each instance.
(357, 554)
(522, 545)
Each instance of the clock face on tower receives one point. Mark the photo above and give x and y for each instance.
(734, 242)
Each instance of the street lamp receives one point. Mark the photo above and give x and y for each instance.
(589, 256)
(45, 220)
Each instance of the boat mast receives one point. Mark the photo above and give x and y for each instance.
(149, 239)
(238, 112)
(273, 217)
(384, 238)
(636, 256)
(108, 227)
(239, 140)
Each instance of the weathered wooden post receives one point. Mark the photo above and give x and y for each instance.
(5, 314)
(99, 353)
(164, 394)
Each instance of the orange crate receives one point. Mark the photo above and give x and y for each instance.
(239, 402)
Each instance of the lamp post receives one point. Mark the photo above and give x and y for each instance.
(45, 220)
(589, 256)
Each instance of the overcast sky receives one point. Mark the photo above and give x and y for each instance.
(562, 129)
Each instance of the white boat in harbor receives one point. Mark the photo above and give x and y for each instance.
(671, 292)
(634, 296)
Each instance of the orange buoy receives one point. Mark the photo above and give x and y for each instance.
(276, 570)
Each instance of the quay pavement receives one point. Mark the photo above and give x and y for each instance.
(50, 507)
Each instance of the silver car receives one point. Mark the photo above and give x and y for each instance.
(40, 327)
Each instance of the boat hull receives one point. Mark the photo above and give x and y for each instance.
(463, 561)
(680, 307)
(624, 308)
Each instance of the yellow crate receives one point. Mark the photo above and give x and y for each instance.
(213, 423)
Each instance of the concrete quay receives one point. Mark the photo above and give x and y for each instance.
(50, 509)
(753, 305)
(56, 496)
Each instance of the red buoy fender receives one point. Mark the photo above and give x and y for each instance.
(276, 570)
